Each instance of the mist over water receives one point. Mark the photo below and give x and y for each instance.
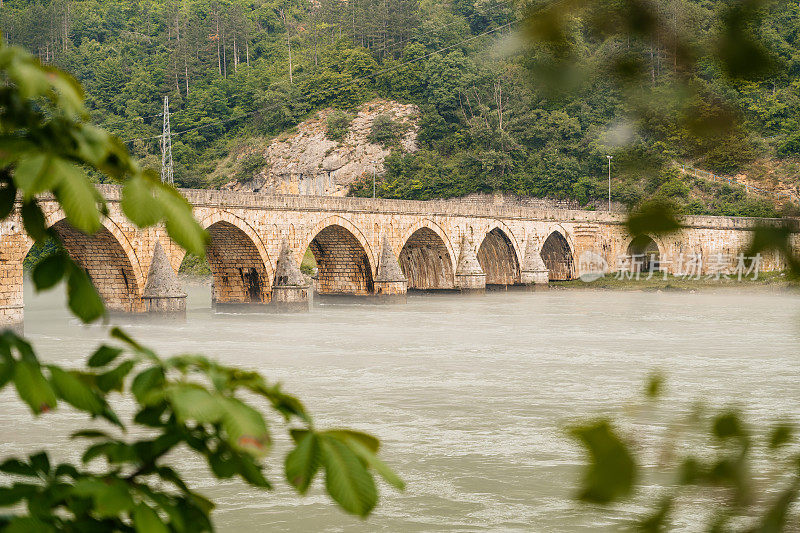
(469, 395)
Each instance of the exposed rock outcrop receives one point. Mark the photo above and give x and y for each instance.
(308, 162)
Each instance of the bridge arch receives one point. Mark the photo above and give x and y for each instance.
(426, 257)
(240, 266)
(499, 256)
(108, 257)
(558, 256)
(345, 261)
(645, 253)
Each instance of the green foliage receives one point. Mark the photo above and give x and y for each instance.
(195, 266)
(681, 87)
(695, 98)
(384, 131)
(249, 165)
(337, 125)
(611, 471)
(653, 218)
(187, 401)
(714, 462)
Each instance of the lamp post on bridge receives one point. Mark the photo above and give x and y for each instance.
(610, 157)
(373, 178)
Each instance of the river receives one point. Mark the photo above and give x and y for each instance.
(469, 394)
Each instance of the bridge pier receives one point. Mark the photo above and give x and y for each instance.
(534, 271)
(390, 283)
(290, 290)
(162, 293)
(12, 314)
(469, 274)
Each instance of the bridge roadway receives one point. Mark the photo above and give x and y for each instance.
(362, 247)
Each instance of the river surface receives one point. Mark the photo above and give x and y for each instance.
(469, 395)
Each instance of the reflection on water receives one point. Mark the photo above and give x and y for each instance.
(468, 394)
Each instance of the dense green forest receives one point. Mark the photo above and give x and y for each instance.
(241, 69)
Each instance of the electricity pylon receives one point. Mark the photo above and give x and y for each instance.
(166, 147)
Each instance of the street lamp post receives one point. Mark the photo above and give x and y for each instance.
(610, 157)
(373, 178)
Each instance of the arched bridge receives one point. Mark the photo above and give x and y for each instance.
(361, 246)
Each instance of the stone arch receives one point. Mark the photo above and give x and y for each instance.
(499, 256)
(427, 258)
(240, 266)
(645, 254)
(107, 256)
(344, 258)
(558, 257)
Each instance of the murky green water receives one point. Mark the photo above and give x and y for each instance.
(468, 394)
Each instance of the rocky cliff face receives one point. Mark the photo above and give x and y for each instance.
(308, 162)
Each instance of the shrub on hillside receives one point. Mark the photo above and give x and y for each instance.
(338, 124)
(385, 131)
(249, 165)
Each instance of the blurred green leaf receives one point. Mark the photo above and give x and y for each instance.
(17, 467)
(147, 385)
(657, 521)
(77, 196)
(82, 297)
(90, 434)
(104, 355)
(346, 477)
(33, 220)
(50, 270)
(75, 392)
(303, 462)
(192, 402)
(740, 53)
(368, 441)
(655, 385)
(6, 372)
(8, 195)
(15, 493)
(33, 388)
(777, 517)
(653, 218)
(180, 223)
(30, 78)
(27, 524)
(612, 471)
(36, 174)
(138, 202)
(111, 496)
(69, 91)
(146, 520)
(727, 425)
(780, 435)
(368, 456)
(40, 462)
(115, 378)
(245, 427)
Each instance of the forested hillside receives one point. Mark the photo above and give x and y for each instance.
(237, 70)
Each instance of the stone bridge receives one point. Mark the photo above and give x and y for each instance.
(362, 247)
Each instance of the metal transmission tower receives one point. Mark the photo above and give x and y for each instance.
(166, 147)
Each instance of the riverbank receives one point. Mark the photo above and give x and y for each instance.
(613, 282)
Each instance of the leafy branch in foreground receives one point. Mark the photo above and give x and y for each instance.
(713, 456)
(186, 401)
